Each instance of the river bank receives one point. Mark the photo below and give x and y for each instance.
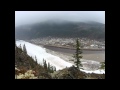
(100, 57)
(67, 52)
(65, 47)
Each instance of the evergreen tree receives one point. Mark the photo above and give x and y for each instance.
(24, 49)
(51, 69)
(54, 68)
(45, 64)
(20, 48)
(48, 67)
(78, 55)
(36, 60)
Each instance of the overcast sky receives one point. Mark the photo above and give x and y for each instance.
(29, 17)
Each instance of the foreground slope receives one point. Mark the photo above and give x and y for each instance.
(26, 63)
(74, 73)
(40, 53)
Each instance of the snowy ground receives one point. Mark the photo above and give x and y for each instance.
(55, 59)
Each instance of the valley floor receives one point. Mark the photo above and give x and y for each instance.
(100, 57)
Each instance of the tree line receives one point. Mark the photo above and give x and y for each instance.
(47, 66)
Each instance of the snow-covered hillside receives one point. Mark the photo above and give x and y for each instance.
(40, 53)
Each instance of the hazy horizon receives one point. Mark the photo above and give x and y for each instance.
(30, 17)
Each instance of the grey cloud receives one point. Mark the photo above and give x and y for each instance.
(29, 17)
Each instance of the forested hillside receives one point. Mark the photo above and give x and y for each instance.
(91, 30)
(24, 63)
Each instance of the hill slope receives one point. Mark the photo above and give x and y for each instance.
(92, 30)
(25, 62)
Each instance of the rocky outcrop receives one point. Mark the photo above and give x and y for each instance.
(74, 73)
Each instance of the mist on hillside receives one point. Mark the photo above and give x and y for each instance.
(31, 17)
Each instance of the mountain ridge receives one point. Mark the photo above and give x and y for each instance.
(91, 29)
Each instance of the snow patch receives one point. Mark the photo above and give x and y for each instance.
(94, 71)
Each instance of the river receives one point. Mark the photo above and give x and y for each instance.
(87, 54)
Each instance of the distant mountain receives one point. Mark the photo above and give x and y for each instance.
(59, 28)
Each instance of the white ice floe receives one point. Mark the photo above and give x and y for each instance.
(90, 64)
(40, 53)
(94, 71)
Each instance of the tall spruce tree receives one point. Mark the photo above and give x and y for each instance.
(54, 68)
(45, 64)
(20, 48)
(24, 49)
(48, 67)
(51, 69)
(78, 55)
(36, 60)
